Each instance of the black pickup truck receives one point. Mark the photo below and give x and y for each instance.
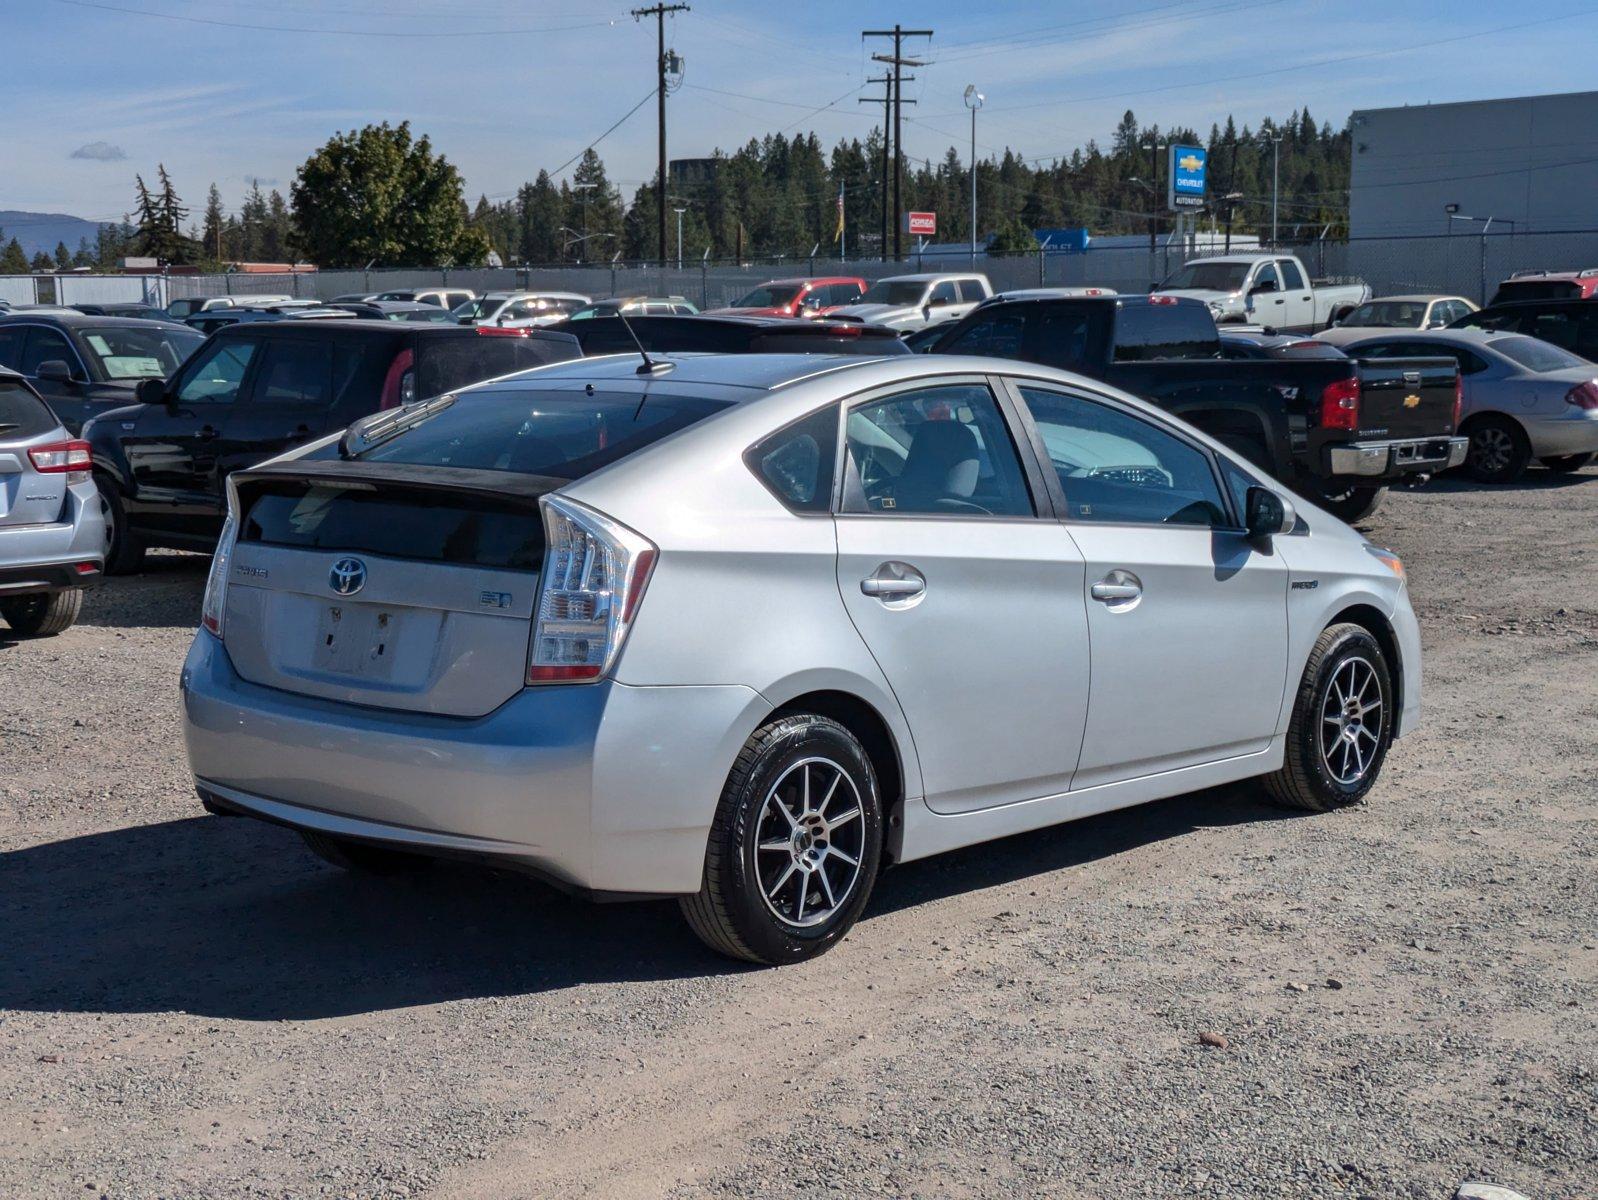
(1335, 429)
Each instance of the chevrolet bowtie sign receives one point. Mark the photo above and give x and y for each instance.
(1186, 177)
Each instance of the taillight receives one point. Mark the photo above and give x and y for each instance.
(1459, 398)
(71, 459)
(1340, 404)
(215, 604)
(496, 331)
(399, 385)
(1158, 299)
(595, 572)
(1584, 395)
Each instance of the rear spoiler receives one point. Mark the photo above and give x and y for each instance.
(509, 485)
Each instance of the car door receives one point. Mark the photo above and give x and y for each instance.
(171, 449)
(970, 601)
(1267, 303)
(288, 403)
(1187, 617)
(1298, 299)
(943, 303)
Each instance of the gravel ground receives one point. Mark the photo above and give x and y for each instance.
(1406, 992)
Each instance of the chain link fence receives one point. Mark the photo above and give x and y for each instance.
(1461, 264)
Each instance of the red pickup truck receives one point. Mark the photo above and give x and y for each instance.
(795, 298)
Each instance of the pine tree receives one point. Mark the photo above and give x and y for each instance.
(213, 236)
(12, 260)
(63, 257)
(42, 264)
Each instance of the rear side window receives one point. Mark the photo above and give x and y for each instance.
(1292, 279)
(1146, 332)
(796, 462)
(11, 345)
(22, 414)
(1535, 355)
(530, 432)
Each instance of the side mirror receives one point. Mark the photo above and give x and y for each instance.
(54, 370)
(150, 391)
(1269, 513)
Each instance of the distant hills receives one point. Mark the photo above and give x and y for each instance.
(41, 231)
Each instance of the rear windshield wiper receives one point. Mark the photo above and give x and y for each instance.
(371, 432)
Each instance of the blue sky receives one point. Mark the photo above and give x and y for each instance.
(104, 89)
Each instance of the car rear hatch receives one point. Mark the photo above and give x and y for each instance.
(386, 584)
(1403, 398)
(28, 496)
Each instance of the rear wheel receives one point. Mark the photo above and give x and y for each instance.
(795, 846)
(1342, 723)
(361, 857)
(124, 553)
(1566, 463)
(43, 615)
(1499, 450)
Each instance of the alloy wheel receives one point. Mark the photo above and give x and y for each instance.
(1351, 721)
(1491, 450)
(809, 841)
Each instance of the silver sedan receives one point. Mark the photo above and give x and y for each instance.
(744, 630)
(1521, 397)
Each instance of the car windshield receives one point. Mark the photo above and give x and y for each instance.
(1208, 277)
(540, 433)
(1386, 314)
(891, 291)
(768, 297)
(1536, 355)
(601, 310)
(478, 310)
(129, 352)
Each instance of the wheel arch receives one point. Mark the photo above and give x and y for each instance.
(876, 735)
(1374, 621)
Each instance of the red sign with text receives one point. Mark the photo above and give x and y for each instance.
(921, 224)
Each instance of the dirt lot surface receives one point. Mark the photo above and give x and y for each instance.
(193, 1006)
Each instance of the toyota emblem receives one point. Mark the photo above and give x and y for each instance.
(347, 577)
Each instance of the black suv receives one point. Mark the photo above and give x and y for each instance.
(86, 365)
(731, 335)
(258, 389)
(1569, 324)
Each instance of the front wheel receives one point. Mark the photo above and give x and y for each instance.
(1341, 726)
(1566, 464)
(42, 615)
(1499, 450)
(795, 846)
(1350, 503)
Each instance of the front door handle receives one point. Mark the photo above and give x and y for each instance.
(894, 581)
(1118, 587)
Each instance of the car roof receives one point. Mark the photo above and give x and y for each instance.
(1415, 298)
(74, 319)
(752, 372)
(930, 276)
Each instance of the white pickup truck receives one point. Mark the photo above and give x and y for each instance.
(1265, 289)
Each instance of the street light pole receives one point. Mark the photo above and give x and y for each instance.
(973, 101)
(679, 212)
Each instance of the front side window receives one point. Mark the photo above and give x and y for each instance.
(940, 451)
(46, 345)
(1117, 467)
(217, 373)
(943, 294)
(1266, 280)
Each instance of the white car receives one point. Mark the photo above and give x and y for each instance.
(520, 309)
(447, 298)
(743, 629)
(1397, 314)
(910, 302)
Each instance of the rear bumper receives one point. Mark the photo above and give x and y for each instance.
(602, 787)
(1402, 456)
(51, 577)
(45, 558)
(1574, 431)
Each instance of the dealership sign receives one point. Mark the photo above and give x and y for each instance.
(1186, 176)
(921, 224)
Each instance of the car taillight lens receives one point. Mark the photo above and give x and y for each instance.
(399, 385)
(595, 572)
(1340, 404)
(1459, 399)
(71, 459)
(211, 611)
(1584, 395)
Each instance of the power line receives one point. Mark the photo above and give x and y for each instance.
(602, 136)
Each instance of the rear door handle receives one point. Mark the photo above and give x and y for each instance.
(894, 581)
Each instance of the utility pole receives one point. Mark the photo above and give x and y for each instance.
(1276, 175)
(886, 100)
(973, 101)
(679, 212)
(659, 11)
(898, 62)
(1153, 147)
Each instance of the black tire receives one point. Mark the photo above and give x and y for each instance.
(1565, 464)
(124, 553)
(362, 857)
(1350, 503)
(42, 615)
(747, 907)
(1320, 775)
(1499, 450)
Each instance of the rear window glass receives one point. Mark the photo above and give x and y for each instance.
(1153, 331)
(1535, 355)
(22, 414)
(397, 522)
(1550, 289)
(453, 361)
(561, 434)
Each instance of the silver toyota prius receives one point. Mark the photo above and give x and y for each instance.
(744, 630)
